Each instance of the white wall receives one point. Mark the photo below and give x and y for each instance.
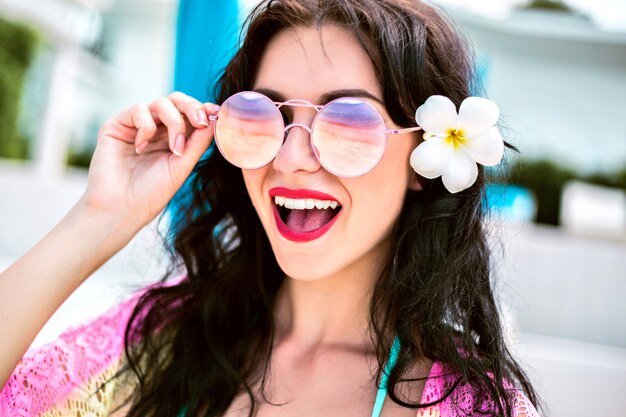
(142, 39)
(560, 84)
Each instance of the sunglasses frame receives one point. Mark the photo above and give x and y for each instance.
(319, 109)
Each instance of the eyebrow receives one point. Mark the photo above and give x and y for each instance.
(326, 97)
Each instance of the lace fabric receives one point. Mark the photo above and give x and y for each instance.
(463, 400)
(65, 378)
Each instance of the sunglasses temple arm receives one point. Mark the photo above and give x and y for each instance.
(402, 131)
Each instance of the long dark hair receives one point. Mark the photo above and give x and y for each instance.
(196, 344)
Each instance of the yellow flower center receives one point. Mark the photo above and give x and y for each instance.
(455, 138)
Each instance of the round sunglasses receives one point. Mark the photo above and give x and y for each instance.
(348, 136)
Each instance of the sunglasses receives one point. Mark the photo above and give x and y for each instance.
(348, 136)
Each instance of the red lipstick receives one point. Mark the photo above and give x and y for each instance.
(296, 235)
(300, 193)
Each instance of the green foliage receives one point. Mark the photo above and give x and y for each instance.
(546, 180)
(79, 159)
(618, 180)
(17, 48)
(80, 156)
(555, 5)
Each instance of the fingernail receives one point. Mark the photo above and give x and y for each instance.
(214, 108)
(142, 146)
(202, 119)
(179, 145)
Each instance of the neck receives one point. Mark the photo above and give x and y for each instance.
(328, 311)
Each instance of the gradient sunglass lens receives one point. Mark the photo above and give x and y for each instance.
(249, 130)
(348, 137)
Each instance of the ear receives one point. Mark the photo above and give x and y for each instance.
(415, 182)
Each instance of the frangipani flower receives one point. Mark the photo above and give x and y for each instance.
(453, 144)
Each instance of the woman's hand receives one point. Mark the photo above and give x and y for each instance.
(143, 156)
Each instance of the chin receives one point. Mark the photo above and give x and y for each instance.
(303, 268)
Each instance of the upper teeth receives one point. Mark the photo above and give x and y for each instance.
(304, 203)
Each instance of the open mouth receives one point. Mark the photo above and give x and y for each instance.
(303, 215)
(306, 215)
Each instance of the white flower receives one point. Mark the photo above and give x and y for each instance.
(453, 144)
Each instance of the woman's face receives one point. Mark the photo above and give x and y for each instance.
(305, 63)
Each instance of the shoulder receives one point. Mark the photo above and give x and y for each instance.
(461, 399)
(60, 376)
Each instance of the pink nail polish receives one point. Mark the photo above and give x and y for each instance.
(202, 119)
(142, 146)
(179, 145)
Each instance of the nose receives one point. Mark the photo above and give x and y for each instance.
(296, 154)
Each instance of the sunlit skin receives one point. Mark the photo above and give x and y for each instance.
(322, 362)
(322, 352)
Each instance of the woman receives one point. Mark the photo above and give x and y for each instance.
(324, 271)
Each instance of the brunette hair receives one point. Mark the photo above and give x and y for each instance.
(208, 337)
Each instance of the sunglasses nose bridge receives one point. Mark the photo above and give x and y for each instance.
(296, 153)
(302, 118)
(303, 126)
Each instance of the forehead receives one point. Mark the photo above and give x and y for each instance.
(305, 62)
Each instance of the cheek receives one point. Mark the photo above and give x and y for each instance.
(390, 179)
(253, 179)
(381, 192)
(395, 168)
(410, 175)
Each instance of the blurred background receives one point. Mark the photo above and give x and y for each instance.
(557, 69)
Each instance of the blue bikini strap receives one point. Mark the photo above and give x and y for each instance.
(382, 389)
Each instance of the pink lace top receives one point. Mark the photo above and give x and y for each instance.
(60, 378)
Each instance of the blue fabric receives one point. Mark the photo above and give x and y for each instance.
(206, 39)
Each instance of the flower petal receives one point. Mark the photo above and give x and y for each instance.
(461, 172)
(437, 115)
(486, 149)
(431, 157)
(476, 115)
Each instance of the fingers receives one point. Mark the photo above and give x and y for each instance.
(145, 124)
(199, 142)
(196, 145)
(176, 112)
(131, 126)
(166, 123)
(136, 125)
(169, 115)
(192, 108)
